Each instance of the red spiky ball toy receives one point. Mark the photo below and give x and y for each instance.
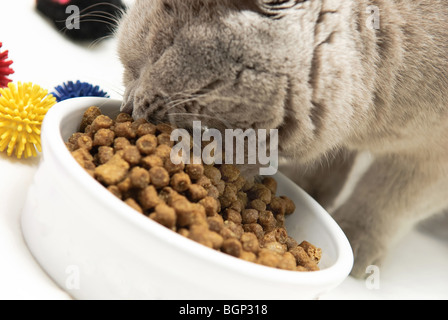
(5, 69)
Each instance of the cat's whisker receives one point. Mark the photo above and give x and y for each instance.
(119, 9)
(97, 41)
(225, 123)
(112, 25)
(96, 15)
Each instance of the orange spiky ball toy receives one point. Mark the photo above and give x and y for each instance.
(22, 110)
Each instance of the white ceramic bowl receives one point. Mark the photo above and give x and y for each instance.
(96, 247)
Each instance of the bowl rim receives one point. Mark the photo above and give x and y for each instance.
(52, 142)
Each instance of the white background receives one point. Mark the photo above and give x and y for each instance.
(415, 269)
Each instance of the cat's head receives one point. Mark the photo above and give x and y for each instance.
(261, 64)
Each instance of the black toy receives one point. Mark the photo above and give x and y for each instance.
(82, 19)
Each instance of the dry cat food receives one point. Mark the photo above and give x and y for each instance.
(212, 205)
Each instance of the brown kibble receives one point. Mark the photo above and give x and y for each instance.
(195, 171)
(267, 220)
(125, 185)
(163, 151)
(113, 171)
(248, 184)
(105, 154)
(184, 212)
(173, 168)
(216, 239)
(281, 235)
(103, 137)
(269, 237)
(147, 144)
(138, 122)
(101, 122)
(213, 192)
(229, 196)
(237, 205)
(268, 258)
(232, 247)
(139, 178)
(146, 128)
(89, 116)
(248, 256)
(213, 174)
(123, 117)
(148, 198)
(255, 228)
(165, 139)
(115, 191)
(257, 204)
(232, 215)
(215, 223)
(74, 137)
(164, 215)
(271, 184)
(278, 206)
(196, 192)
(291, 243)
(213, 205)
(250, 242)
(89, 131)
(125, 130)
(242, 196)
(290, 206)
(84, 142)
(180, 182)
(229, 172)
(199, 215)
(260, 192)
(152, 161)
(134, 205)
(249, 216)
(280, 220)
(239, 183)
(236, 229)
(168, 195)
(203, 181)
(303, 259)
(159, 177)
(198, 233)
(82, 156)
(165, 128)
(184, 232)
(210, 204)
(221, 186)
(276, 247)
(132, 155)
(313, 252)
(287, 262)
(120, 143)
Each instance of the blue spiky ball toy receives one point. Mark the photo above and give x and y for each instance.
(70, 89)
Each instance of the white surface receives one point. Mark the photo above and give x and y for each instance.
(416, 267)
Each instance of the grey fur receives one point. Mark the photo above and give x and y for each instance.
(331, 85)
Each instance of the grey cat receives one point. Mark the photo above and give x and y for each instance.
(331, 82)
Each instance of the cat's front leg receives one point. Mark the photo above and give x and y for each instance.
(394, 194)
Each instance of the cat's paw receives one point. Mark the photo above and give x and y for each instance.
(368, 250)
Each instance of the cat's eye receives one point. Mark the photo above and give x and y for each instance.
(274, 8)
(280, 4)
(268, 8)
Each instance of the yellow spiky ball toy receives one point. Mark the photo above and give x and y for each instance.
(22, 110)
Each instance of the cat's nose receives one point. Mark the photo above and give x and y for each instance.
(128, 100)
